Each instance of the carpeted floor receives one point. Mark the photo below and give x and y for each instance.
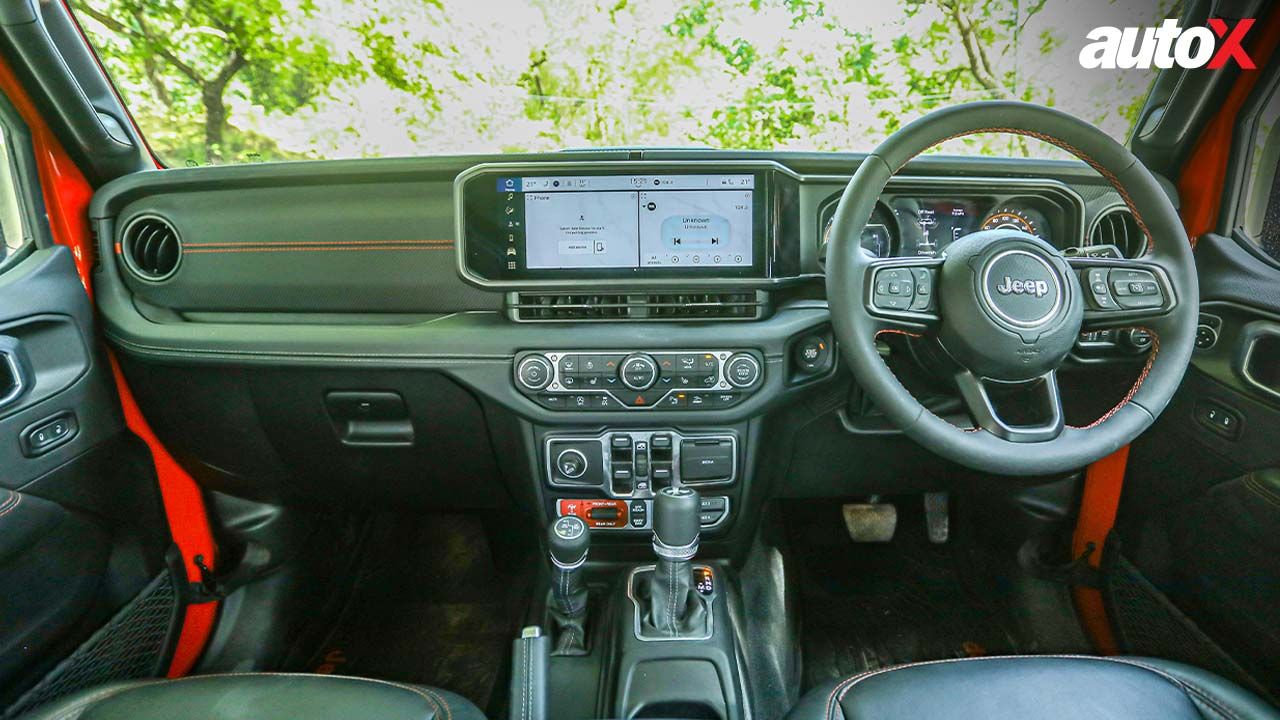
(866, 605)
(428, 606)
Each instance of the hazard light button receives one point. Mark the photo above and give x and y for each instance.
(647, 398)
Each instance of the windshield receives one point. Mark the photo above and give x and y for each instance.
(227, 81)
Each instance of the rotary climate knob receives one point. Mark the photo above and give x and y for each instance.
(638, 372)
(534, 372)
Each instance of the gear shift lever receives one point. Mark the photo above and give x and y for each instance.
(568, 541)
(674, 607)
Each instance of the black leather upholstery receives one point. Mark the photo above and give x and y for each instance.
(1034, 688)
(260, 697)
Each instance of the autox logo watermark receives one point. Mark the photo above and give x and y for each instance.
(1209, 47)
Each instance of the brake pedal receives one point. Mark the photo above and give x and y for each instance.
(937, 517)
(870, 522)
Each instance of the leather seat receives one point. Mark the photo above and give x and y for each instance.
(263, 696)
(1034, 688)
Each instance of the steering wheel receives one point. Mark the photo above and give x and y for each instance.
(1008, 307)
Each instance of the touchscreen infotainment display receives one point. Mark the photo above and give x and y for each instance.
(610, 222)
(615, 225)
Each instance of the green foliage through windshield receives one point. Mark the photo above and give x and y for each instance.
(216, 81)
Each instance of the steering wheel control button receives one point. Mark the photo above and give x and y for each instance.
(639, 372)
(742, 371)
(1135, 289)
(894, 289)
(923, 299)
(534, 372)
(1099, 291)
(1022, 288)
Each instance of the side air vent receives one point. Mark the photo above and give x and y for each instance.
(1117, 227)
(551, 307)
(151, 248)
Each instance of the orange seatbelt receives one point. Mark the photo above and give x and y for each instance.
(66, 198)
(1103, 481)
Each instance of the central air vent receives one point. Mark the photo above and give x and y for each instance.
(1117, 227)
(151, 248)
(551, 307)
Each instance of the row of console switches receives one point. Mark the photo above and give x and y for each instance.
(614, 514)
(658, 399)
(640, 465)
(637, 463)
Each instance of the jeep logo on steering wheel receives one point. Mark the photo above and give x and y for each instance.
(1021, 288)
(1009, 286)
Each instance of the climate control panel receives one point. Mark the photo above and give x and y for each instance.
(577, 380)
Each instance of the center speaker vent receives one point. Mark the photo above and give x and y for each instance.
(577, 307)
(151, 248)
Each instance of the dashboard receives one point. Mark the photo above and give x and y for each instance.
(318, 293)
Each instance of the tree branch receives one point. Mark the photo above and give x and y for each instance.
(233, 65)
(979, 63)
(165, 53)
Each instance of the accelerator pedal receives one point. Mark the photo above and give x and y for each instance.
(937, 517)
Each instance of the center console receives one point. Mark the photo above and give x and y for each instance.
(639, 434)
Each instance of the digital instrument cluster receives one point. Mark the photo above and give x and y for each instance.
(918, 225)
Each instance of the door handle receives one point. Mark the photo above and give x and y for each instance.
(13, 372)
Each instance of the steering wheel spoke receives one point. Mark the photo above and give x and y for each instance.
(902, 294)
(1123, 293)
(1021, 411)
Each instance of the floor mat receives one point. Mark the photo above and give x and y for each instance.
(871, 605)
(428, 606)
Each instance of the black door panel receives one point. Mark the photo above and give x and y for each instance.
(1201, 511)
(52, 564)
(81, 526)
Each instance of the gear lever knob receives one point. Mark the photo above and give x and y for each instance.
(569, 542)
(675, 523)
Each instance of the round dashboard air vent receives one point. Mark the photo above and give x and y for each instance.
(151, 247)
(1117, 227)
